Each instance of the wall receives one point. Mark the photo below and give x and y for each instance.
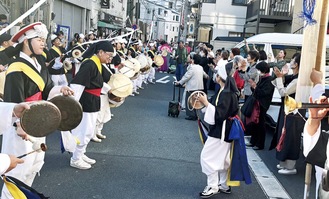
(71, 15)
(223, 19)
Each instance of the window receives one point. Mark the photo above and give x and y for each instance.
(159, 11)
(177, 18)
(173, 29)
(173, 18)
(239, 2)
(170, 5)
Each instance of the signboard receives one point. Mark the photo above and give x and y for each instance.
(134, 26)
(66, 31)
(105, 4)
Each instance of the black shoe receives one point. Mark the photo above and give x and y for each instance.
(227, 191)
(191, 118)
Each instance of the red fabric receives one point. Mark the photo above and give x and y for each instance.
(279, 147)
(35, 97)
(254, 118)
(238, 80)
(96, 91)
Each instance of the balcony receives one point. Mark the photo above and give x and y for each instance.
(270, 11)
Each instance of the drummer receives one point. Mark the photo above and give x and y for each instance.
(132, 51)
(55, 66)
(27, 80)
(87, 84)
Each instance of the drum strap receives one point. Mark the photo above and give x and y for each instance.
(28, 71)
(96, 91)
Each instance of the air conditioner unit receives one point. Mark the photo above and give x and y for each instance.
(101, 16)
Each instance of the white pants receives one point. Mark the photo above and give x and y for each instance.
(59, 80)
(84, 132)
(139, 81)
(151, 75)
(134, 85)
(215, 160)
(104, 114)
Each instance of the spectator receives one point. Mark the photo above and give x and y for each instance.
(181, 55)
(287, 153)
(263, 92)
(193, 80)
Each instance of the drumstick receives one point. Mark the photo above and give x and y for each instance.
(43, 147)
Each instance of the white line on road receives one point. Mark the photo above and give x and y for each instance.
(266, 179)
(162, 80)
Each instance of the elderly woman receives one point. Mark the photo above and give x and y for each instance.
(263, 92)
(215, 153)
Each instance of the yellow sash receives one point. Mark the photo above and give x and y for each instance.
(152, 52)
(2, 48)
(58, 51)
(96, 60)
(45, 55)
(27, 70)
(14, 190)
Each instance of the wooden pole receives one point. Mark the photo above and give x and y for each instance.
(322, 35)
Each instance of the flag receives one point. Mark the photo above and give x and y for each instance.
(203, 131)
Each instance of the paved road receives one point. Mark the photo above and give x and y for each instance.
(149, 155)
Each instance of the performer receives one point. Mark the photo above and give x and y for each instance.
(316, 147)
(76, 61)
(132, 49)
(87, 85)
(27, 80)
(292, 123)
(215, 158)
(151, 54)
(104, 114)
(8, 111)
(56, 58)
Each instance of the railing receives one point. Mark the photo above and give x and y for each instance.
(282, 8)
(6, 4)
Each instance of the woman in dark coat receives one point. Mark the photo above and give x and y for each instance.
(263, 92)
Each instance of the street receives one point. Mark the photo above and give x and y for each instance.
(148, 155)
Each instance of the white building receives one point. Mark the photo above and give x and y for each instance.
(165, 20)
(221, 18)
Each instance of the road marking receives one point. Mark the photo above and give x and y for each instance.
(266, 179)
(162, 80)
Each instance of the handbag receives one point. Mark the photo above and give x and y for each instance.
(254, 117)
(248, 106)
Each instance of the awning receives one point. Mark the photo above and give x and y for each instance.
(107, 25)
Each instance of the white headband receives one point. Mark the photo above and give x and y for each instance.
(37, 31)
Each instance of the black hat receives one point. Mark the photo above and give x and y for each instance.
(100, 45)
(4, 37)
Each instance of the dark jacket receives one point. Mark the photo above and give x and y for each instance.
(264, 91)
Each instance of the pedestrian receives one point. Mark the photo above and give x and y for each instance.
(215, 155)
(27, 80)
(289, 127)
(193, 80)
(87, 85)
(181, 56)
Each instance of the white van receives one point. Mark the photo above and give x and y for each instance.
(274, 42)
